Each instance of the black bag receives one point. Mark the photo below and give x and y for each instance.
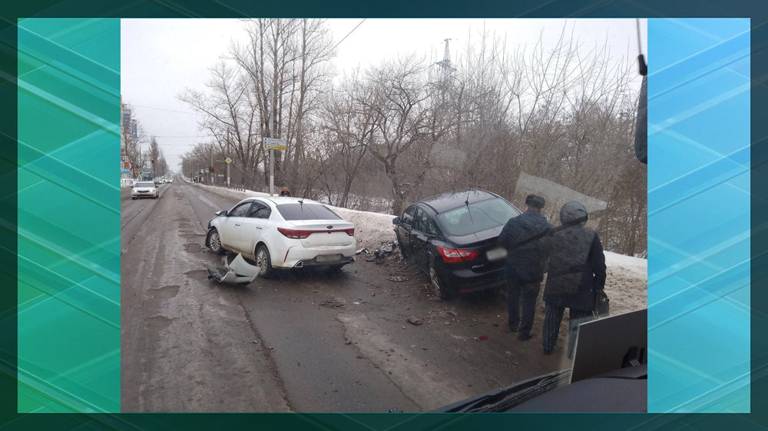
(602, 303)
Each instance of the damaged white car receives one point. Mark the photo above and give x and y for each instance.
(283, 233)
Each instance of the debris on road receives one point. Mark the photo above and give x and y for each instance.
(380, 254)
(236, 272)
(397, 278)
(387, 247)
(415, 321)
(333, 303)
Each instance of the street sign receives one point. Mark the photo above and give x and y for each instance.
(277, 144)
(227, 160)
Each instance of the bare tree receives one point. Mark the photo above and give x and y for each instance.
(350, 121)
(230, 118)
(407, 128)
(399, 102)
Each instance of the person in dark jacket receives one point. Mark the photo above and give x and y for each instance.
(525, 264)
(575, 273)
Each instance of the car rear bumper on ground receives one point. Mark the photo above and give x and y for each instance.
(465, 280)
(298, 256)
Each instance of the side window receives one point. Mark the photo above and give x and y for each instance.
(431, 227)
(259, 210)
(240, 210)
(420, 220)
(408, 215)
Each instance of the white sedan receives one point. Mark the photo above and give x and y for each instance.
(283, 232)
(145, 189)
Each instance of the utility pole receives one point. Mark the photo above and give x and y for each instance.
(271, 172)
(229, 162)
(210, 169)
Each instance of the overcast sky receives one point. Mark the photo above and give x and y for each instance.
(160, 58)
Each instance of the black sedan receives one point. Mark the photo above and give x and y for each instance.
(453, 238)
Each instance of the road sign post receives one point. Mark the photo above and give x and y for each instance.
(228, 161)
(273, 144)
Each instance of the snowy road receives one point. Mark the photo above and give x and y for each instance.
(304, 341)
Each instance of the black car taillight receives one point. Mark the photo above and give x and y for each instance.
(457, 255)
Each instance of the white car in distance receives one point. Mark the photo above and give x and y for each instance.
(283, 233)
(144, 189)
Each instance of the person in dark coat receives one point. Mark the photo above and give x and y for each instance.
(575, 273)
(525, 264)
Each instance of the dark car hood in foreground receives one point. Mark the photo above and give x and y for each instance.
(622, 391)
(472, 238)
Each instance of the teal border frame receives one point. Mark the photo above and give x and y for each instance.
(69, 215)
(449, 8)
(699, 215)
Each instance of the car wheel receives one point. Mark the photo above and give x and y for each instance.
(213, 241)
(439, 286)
(335, 269)
(133, 198)
(263, 261)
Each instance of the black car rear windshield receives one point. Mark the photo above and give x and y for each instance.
(479, 216)
(145, 184)
(306, 212)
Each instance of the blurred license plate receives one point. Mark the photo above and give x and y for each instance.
(328, 258)
(495, 254)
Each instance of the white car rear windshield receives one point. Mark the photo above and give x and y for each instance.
(144, 184)
(297, 211)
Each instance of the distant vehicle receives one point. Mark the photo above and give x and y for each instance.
(283, 233)
(449, 237)
(145, 189)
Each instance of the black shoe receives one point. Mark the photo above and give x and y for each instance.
(513, 328)
(548, 352)
(524, 337)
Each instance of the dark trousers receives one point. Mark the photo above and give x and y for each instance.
(521, 305)
(553, 316)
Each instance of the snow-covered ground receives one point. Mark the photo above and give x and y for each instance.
(626, 284)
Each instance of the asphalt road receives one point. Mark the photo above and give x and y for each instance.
(304, 341)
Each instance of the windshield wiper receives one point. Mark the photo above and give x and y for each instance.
(508, 398)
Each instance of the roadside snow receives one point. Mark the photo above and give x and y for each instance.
(371, 229)
(636, 265)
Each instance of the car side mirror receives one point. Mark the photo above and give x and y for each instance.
(222, 213)
(396, 221)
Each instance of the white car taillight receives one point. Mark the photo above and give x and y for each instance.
(295, 233)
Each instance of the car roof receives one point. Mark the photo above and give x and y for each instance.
(452, 200)
(279, 200)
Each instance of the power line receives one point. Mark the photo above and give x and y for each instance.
(163, 109)
(348, 34)
(182, 136)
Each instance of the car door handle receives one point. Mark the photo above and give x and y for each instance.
(237, 225)
(258, 227)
